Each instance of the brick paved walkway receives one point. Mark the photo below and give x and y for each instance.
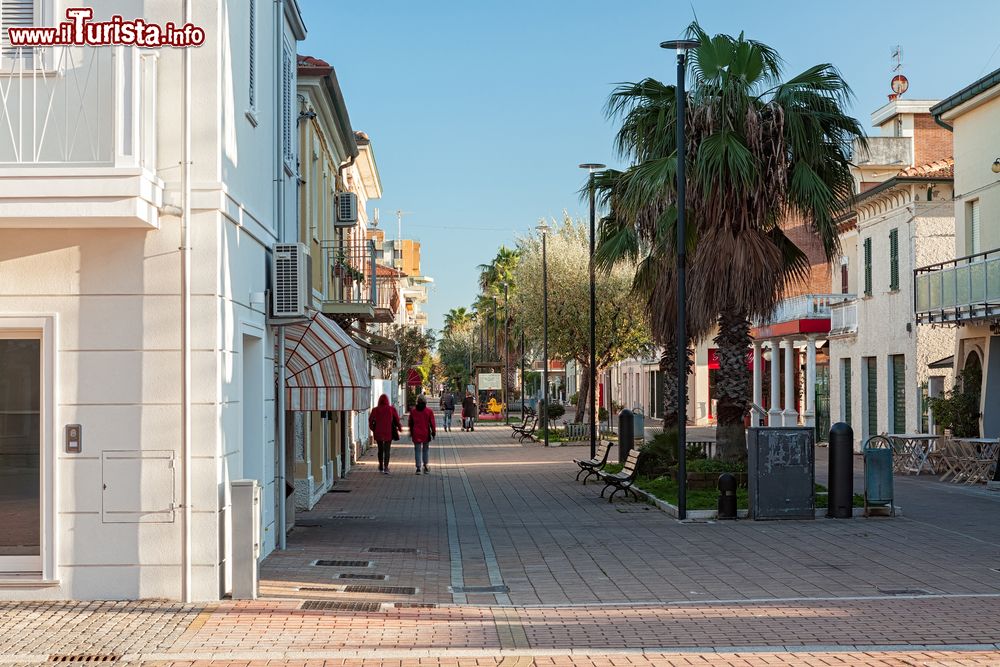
(499, 558)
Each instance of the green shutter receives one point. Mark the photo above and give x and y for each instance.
(848, 417)
(872, 378)
(898, 393)
(894, 259)
(868, 267)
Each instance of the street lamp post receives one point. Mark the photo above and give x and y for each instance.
(544, 230)
(681, 46)
(522, 376)
(506, 355)
(591, 167)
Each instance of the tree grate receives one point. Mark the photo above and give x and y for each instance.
(389, 590)
(343, 563)
(340, 605)
(85, 657)
(354, 575)
(352, 516)
(391, 550)
(903, 591)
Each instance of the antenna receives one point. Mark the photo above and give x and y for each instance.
(899, 83)
(897, 58)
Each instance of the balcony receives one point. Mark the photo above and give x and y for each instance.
(803, 314)
(349, 289)
(78, 138)
(387, 293)
(961, 290)
(884, 151)
(844, 318)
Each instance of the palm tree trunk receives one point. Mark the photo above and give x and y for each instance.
(582, 395)
(668, 383)
(732, 386)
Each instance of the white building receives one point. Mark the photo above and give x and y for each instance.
(139, 198)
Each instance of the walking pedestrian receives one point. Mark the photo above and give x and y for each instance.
(421, 425)
(447, 408)
(384, 423)
(468, 412)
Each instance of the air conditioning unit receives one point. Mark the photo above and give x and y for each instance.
(347, 209)
(292, 272)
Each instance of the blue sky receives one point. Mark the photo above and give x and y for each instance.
(479, 111)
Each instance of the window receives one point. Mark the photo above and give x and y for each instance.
(973, 231)
(844, 277)
(16, 14)
(868, 267)
(287, 92)
(252, 56)
(897, 363)
(846, 378)
(894, 259)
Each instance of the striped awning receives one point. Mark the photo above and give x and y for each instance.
(325, 368)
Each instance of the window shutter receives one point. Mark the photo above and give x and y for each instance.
(872, 376)
(286, 107)
(894, 259)
(847, 378)
(868, 267)
(252, 64)
(15, 14)
(844, 282)
(898, 393)
(975, 244)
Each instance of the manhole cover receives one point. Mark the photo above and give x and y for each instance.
(343, 563)
(388, 590)
(353, 575)
(352, 516)
(84, 657)
(480, 589)
(391, 550)
(340, 605)
(903, 591)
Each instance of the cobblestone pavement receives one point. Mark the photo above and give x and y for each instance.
(499, 558)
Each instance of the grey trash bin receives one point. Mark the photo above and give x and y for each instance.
(638, 424)
(877, 453)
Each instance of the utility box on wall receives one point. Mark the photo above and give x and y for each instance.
(781, 472)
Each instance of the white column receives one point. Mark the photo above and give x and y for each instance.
(758, 380)
(809, 415)
(774, 413)
(790, 416)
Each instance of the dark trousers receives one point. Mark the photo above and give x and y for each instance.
(383, 454)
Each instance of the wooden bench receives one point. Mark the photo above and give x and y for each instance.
(593, 466)
(622, 480)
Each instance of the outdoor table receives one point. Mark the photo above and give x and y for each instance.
(986, 452)
(913, 450)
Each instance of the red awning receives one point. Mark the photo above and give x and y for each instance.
(325, 368)
(713, 359)
(414, 378)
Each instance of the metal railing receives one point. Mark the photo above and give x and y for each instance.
(89, 106)
(844, 317)
(804, 307)
(967, 288)
(349, 269)
(387, 293)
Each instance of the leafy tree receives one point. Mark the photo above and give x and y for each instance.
(413, 346)
(959, 410)
(759, 149)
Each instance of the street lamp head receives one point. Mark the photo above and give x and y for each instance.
(542, 227)
(592, 166)
(680, 44)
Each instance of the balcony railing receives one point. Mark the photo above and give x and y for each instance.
(78, 106)
(349, 286)
(960, 290)
(804, 307)
(844, 317)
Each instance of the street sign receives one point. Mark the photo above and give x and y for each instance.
(490, 381)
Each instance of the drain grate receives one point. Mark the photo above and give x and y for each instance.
(480, 589)
(339, 491)
(414, 605)
(391, 550)
(321, 589)
(306, 524)
(389, 590)
(353, 575)
(84, 657)
(340, 605)
(352, 516)
(343, 563)
(903, 591)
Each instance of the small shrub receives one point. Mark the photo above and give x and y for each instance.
(714, 466)
(556, 410)
(959, 410)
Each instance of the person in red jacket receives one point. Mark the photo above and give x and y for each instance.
(422, 431)
(384, 423)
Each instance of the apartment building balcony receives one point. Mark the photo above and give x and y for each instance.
(387, 293)
(800, 315)
(844, 318)
(884, 151)
(349, 285)
(78, 138)
(966, 289)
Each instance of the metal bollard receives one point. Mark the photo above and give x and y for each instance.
(727, 496)
(840, 502)
(626, 434)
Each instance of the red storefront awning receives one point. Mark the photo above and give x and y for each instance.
(325, 368)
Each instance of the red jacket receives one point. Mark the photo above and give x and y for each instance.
(421, 424)
(382, 418)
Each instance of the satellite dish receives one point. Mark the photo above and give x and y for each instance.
(899, 84)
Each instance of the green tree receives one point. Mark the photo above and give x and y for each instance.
(622, 328)
(413, 346)
(759, 149)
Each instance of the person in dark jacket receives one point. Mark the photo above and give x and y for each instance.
(448, 408)
(384, 423)
(468, 412)
(421, 425)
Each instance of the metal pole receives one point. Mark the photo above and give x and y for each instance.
(545, 341)
(506, 356)
(681, 298)
(522, 374)
(496, 343)
(593, 331)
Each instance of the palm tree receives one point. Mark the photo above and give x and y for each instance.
(760, 150)
(456, 318)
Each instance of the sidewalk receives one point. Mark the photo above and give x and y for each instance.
(499, 557)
